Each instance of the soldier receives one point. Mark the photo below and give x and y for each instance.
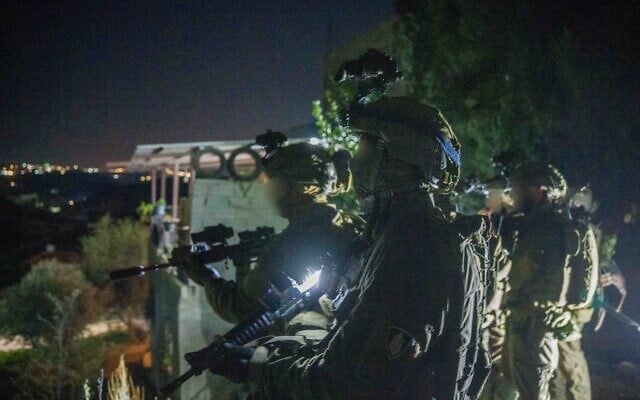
(300, 177)
(571, 378)
(544, 291)
(411, 326)
(498, 204)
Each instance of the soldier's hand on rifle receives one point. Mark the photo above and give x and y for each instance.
(197, 270)
(559, 320)
(234, 364)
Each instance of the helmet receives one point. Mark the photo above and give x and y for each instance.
(305, 163)
(542, 175)
(414, 134)
(583, 200)
(507, 161)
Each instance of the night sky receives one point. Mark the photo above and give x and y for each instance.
(87, 82)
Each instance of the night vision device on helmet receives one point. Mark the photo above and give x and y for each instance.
(372, 74)
(404, 130)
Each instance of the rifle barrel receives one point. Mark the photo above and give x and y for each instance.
(624, 318)
(175, 384)
(131, 272)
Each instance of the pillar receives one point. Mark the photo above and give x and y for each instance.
(163, 184)
(176, 191)
(154, 190)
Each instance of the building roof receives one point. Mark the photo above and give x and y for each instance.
(147, 157)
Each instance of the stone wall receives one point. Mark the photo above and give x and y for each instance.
(242, 206)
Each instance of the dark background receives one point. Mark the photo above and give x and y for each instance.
(85, 82)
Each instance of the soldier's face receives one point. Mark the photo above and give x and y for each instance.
(526, 198)
(287, 195)
(494, 200)
(277, 188)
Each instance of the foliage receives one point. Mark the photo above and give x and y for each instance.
(336, 97)
(469, 203)
(483, 71)
(327, 115)
(121, 386)
(116, 244)
(113, 244)
(12, 358)
(35, 371)
(144, 212)
(51, 304)
(528, 76)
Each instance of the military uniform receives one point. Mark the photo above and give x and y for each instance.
(498, 386)
(536, 278)
(405, 317)
(571, 379)
(547, 269)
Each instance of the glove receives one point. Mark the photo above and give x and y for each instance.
(197, 271)
(232, 364)
(560, 321)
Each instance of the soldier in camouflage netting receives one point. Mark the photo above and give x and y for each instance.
(571, 379)
(552, 277)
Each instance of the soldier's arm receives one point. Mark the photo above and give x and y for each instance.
(233, 301)
(387, 332)
(583, 276)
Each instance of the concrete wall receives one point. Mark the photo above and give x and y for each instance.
(239, 205)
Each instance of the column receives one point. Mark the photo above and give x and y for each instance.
(176, 191)
(154, 194)
(163, 184)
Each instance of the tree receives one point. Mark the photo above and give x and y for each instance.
(486, 69)
(50, 308)
(116, 244)
(113, 244)
(51, 304)
(530, 76)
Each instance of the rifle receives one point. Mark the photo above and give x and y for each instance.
(273, 310)
(620, 316)
(210, 246)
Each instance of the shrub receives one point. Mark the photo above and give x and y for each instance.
(52, 303)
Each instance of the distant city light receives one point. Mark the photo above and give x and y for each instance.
(71, 202)
(12, 184)
(13, 169)
(116, 176)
